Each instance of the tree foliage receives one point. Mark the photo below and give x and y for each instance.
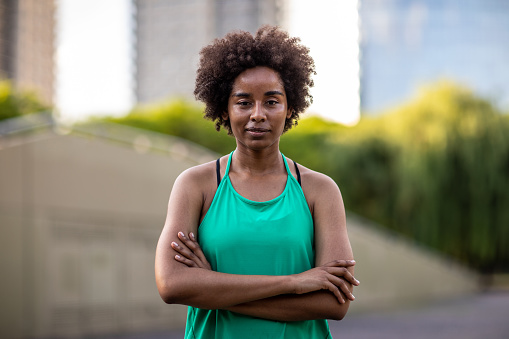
(16, 103)
(435, 169)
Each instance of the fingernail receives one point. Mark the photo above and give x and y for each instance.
(353, 296)
(357, 281)
(173, 243)
(182, 234)
(191, 235)
(177, 256)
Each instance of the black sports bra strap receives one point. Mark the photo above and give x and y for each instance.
(298, 172)
(218, 173)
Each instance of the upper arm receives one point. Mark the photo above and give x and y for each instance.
(331, 237)
(184, 209)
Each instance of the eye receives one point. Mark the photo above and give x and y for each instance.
(243, 103)
(272, 102)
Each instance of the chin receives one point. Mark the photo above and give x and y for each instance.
(258, 145)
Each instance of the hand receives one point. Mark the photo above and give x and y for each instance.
(190, 253)
(332, 276)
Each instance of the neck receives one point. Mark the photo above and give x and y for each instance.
(264, 161)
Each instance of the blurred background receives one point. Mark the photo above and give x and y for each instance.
(97, 119)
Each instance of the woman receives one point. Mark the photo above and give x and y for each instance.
(254, 243)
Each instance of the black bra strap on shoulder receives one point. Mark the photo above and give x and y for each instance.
(218, 173)
(298, 172)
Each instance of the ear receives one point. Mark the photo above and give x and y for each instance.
(289, 112)
(225, 116)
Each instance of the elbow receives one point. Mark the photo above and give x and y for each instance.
(166, 293)
(175, 289)
(169, 292)
(168, 298)
(337, 316)
(339, 312)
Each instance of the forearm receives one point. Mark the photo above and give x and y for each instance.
(213, 290)
(189, 280)
(293, 307)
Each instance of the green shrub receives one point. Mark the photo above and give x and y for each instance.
(16, 103)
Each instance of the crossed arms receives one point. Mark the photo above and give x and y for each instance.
(183, 274)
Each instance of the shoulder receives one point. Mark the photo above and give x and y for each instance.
(318, 188)
(197, 174)
(316, 182)
(196, 181)
(201, 179)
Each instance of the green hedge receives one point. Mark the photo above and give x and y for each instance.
(435, 169)
(16, 103)
(180, 118)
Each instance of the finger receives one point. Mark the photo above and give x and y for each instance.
(343, 272)
(191, 254)
(183, 237)
(187, 245)
(185, 261)
(194, 247)
(340, 263)
(343, 286)
(348, 276)
(191, 243)
(183, 250)
(333, 288)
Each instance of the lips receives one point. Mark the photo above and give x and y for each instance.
(257, 132)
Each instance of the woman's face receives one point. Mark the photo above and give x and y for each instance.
(257, 108)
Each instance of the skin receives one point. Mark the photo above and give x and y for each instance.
(257, 110)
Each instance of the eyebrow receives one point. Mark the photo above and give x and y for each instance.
(240, 95)
(274, 93)
(246, 95)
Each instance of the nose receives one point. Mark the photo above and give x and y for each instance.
(258, 113)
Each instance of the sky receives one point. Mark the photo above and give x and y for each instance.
(94, 58)
(333, 39)
(95, 53)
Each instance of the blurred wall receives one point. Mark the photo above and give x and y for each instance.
(395, 272)
(80, 215)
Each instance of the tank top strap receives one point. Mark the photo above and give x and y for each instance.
(227, 170)
(290, 172)
(286, 165)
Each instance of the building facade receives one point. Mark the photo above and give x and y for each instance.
(80, 215)
(170, 34)
(27, 35)
(409, 43)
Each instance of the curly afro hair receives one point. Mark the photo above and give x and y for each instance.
(223, 60)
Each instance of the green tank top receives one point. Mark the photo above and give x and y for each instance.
(241, 236)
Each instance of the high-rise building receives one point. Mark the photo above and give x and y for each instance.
(408, 43)
(170, 34)
(27, 45)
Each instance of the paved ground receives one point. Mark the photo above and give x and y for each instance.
(483, 316)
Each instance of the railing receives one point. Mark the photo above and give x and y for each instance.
(142, 141)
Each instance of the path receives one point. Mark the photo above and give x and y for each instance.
(481, 316)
